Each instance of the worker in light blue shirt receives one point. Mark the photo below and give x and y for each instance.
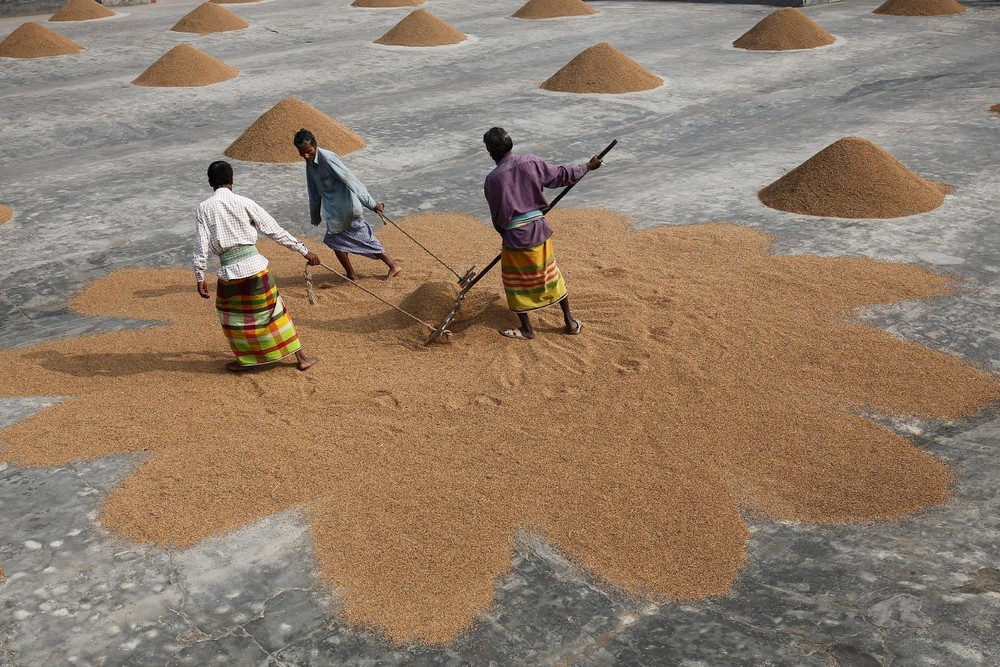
(336, 196)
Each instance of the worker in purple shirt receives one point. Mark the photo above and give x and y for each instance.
(531, 277)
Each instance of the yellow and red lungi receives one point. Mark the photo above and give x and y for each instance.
(254, 319)
(531, 278)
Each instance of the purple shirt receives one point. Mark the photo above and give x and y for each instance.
(515, 187)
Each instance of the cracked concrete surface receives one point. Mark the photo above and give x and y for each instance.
(922, 591)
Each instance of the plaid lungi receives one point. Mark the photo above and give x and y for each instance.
(531, 278)
(254, 319)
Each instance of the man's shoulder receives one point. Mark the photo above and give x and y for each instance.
(327, 154)
(220, 198)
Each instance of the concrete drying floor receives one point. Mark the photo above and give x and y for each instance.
(103, 175)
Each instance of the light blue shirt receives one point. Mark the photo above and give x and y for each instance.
(335, 191)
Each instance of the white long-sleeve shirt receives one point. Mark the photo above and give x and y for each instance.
(227, 219)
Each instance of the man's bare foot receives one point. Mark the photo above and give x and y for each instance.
(353, 277)
(574, 328)
(517, 333)
(237, 367)
(305, 362)
(394, 271)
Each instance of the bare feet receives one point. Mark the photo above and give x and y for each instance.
(237, 367)
(304, 361)
(394, 270)
(574, 328)
(517, 333)
(353, 277)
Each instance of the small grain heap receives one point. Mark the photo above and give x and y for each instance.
(853, 178)
(226, 2)
(995, 108)
(81, 10)
(386, 3)
(785, 29)
(550, 9)
(920, 8)
(5, 214)
(602, 69)
(269, 139)
(208, 18)
(185, 65)
(421, 28)
(32, 40)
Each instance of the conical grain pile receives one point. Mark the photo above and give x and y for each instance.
(231, 2)
(550, 9)
(5, 214)
(185, 65)
(421, 28)
(920, 8)
(602, 69)
(207, 18)
(269, 139)
(785, 29)
(81, 10)
(853, 178)
(995, 108)
(32, 40)
(386, 3)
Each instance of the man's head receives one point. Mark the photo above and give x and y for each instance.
(305, 142)
(220, 174)
(498, 143)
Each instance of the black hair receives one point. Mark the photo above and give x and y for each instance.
(220, 173)
(498, 142)
(304, 138)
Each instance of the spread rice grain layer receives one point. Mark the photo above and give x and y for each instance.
(710, 380)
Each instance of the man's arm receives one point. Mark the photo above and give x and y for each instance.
(201, 253)
(556, 176)
(315, 201)
(351, 181)
(268, 226)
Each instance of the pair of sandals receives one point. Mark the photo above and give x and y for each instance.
(516, 333)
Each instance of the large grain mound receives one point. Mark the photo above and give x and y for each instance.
(421, 28)
(5, 214)
(386, 3)
(81, 10)
(602, 69)
(207, 18)
(232, 2)
(853, 178)
(185, 65)
(550, 9)
(269, 139)
(31, 40)
(727, 379)
(920, 8)
(783, 30)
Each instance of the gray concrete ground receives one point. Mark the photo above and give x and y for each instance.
(103, 175)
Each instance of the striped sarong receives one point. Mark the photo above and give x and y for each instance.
(254, 319)
(531, 278)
